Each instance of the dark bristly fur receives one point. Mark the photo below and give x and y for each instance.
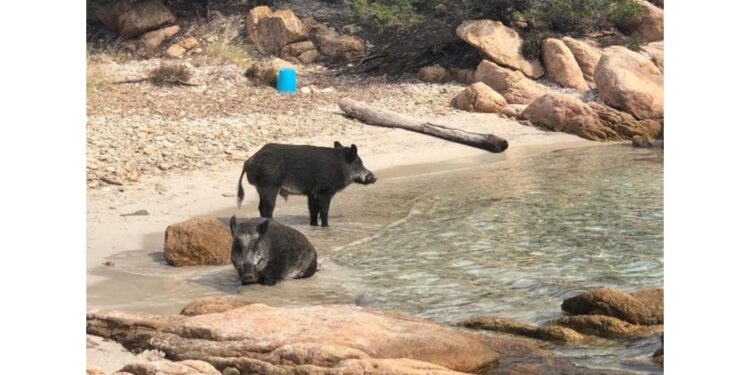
(265, 252)
(317, 172)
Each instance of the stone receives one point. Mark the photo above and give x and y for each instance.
(300, 52)
(189, 43)
(568, 114)
(624, 124)
(211, 305)
(605, 326)
(630, 82)
(200, 241)
(500, 44)
(433, 74)
(640, 142)
(189, 367)
(175, 51)
(327, 336)
(253, 18)
(341, 47)
(479, 98)
(644, 308)
(586, 55)
(650, 28)
(512, 85)
(154, 39)
(274, 31)
(514, 110)
(550, 333)
(94, 370)
(655, 52)
(465, 76)
(132, 18)
(561, 65)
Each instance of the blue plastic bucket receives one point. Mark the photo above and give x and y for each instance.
(287, 80)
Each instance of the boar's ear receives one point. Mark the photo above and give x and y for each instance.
(233, 224)
(351, 153)
(263, 227)
(337, 144)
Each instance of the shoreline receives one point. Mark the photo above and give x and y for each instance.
(179, 197)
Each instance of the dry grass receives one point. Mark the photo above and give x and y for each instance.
(170, 74)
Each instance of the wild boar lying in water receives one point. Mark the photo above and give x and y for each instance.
(317, 172)
(266, 252)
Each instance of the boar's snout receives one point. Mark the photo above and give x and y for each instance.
(249, 279)
(370, 178)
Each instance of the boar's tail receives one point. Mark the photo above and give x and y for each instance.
(240, 190)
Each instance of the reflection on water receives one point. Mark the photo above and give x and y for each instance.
(512, 238)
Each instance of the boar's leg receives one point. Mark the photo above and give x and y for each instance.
(324, 201)
(312, 206)
(267, 201)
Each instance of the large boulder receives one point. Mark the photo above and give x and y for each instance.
(514, 86)
(132, 18)
(253, 19)
(625, 125)
(300, 52)
(433, 74)
(561, 65)
(324, 336)
(655, 52)
(271, 32)
(629, 81)
(500, 44)
(200, 241)
(650, 27)
(585, 54)
(479, 98)
(328, 339)
(644, 307)
(188, 367)
(565, 113)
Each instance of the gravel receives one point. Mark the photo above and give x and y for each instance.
(138, 129)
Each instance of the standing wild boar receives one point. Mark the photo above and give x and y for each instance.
(317, 172)
(266, 252)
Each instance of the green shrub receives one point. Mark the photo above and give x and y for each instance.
(400, 13)
(582, 16)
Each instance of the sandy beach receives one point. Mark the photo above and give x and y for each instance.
(181, 196)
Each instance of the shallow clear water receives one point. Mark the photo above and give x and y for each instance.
(511, 238)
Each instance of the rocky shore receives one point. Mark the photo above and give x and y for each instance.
(230, 335)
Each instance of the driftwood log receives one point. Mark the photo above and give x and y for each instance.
(389, 119)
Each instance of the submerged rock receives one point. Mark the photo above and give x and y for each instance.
(200, 241)
(644, 307)
(605, 326)
(550, 333)
(215, 304)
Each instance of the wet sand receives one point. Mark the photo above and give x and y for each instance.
(180, 197)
